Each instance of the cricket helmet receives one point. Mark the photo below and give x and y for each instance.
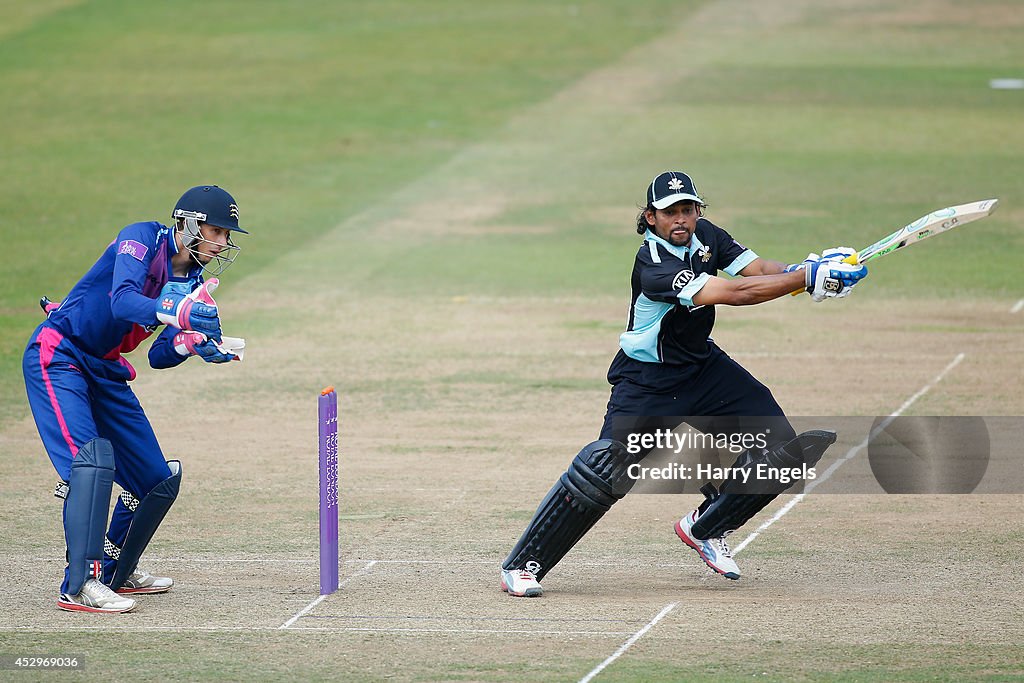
(209, 204)
(213, 205)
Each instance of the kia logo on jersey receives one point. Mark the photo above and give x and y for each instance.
(682, 279)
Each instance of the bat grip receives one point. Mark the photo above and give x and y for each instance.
(851, 259)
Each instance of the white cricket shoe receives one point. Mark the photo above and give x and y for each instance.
(522, 583)
(95, 596)
(144, 582)
(714, 551)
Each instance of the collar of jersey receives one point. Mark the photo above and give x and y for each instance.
(173, 243)
(678, 252)
(193, 272)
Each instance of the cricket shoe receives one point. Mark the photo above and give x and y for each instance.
(95, 597)
(521, 583)
(714, 551)
(144, 582)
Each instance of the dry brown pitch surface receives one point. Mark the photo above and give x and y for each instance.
(438, 482)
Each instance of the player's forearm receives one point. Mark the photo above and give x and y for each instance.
(762, 266)
(760, 288)
(769, 267)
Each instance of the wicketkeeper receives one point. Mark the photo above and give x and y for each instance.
(91, 424)
(668, 365)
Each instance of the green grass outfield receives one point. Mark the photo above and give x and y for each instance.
(307, 113)
(837, 132)
(438, 150)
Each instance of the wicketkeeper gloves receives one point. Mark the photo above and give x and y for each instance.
(194, 311)
(196, 343)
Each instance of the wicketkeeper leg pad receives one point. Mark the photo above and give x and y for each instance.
(594, 481)
(737, 502)
(149, 514)
(85, 511)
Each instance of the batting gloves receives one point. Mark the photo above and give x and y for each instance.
(838, 254)
(831, 279)
(811, 258)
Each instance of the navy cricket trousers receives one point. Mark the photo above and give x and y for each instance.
(75, 398)
(717, 388)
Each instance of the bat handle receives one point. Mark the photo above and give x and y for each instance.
(851, 259)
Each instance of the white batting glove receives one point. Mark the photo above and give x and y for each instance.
(812, 257)
(831, 279)
(837, 254)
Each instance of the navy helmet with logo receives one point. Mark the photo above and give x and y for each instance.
(209, 204)
(213, 205)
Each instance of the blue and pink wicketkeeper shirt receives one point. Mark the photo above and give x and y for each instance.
(112, 309)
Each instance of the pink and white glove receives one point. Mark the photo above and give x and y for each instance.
(197, 344)
(195, 311)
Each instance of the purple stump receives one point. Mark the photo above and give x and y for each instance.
(328, 491)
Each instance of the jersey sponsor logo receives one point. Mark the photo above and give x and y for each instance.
(132, 248)
(682, 279)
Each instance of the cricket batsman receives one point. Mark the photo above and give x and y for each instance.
(91, 424)
(667, 366)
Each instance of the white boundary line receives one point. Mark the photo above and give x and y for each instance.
(320, 598)
(324, 629)
(850, 454)
(371, 629)
(629, 643)
(1017, 306)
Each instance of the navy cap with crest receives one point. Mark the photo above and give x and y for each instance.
(671, 187)
(209, 204)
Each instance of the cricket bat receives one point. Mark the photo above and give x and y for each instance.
(935, 223)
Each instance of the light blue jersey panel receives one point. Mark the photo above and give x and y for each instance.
(687, 293)
(641, 343)
(740, 262)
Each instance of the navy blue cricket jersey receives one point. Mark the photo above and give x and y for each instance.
(664, 324)
(112, 309)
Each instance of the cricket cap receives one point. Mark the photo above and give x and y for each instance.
(671, 187)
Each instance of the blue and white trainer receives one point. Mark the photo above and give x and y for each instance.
(714, 551)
